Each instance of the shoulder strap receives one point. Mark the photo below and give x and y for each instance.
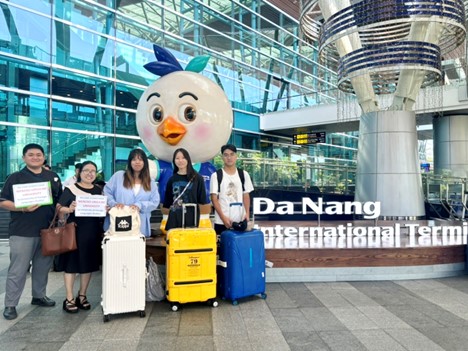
(183, 191)
(219, 175)
(242, 177)
(74, 189)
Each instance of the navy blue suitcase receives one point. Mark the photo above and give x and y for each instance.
(242, 269)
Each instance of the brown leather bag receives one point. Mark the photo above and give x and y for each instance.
(57, 240)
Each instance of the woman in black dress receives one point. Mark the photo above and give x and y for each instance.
(86, 259)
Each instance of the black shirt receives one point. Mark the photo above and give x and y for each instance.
(30, 223)
(194, 194)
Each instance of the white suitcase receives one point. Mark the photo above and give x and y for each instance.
(123, 275)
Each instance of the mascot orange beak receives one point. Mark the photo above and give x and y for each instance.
(171, 131)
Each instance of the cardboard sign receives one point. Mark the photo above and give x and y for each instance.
(91, 206)
(32, 194)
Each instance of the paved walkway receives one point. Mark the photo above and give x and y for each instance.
(386, 315)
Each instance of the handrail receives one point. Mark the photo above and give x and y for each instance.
(447, 191)
(71, 144)
(300, 175)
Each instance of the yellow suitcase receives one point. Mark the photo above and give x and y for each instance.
(205, 221)
(191, 266)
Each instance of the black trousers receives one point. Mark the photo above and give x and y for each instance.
(219, 228)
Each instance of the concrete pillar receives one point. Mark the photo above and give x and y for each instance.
(451, 145)
(388, 164)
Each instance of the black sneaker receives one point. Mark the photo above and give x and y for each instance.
(10, 313)
(43, 301)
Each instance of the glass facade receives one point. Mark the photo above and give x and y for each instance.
(71, 72)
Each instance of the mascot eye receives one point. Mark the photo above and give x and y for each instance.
(158, 114)
(187, 113)
(190, 114)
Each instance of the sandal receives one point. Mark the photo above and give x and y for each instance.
(82, 302)
(69, 306)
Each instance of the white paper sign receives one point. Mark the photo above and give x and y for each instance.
(32, 194)
(91, 206)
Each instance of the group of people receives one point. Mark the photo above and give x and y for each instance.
(132, 187)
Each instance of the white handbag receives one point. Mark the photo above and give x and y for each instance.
(124, 221)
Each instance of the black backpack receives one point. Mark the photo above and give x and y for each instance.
(219, 175)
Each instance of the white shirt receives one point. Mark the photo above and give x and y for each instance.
(136, 188)
(231, 194)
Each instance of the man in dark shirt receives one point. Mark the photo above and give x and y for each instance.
(24, 231)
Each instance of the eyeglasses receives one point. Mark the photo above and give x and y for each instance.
(88, 171)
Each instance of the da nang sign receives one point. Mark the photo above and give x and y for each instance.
(309, 138)
(368, 210)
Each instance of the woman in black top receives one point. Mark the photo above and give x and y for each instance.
(86, 259)
(186, 185)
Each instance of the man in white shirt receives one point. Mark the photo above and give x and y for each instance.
(231, 198)
(72, 180)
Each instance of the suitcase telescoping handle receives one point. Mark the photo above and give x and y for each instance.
(238, 206)
(184, 212)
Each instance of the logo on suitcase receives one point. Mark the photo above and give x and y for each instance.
(123, 224)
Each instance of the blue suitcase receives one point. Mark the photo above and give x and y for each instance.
(242, 265)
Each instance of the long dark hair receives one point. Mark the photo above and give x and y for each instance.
(129, 175)
(85, 163)
(191, 172)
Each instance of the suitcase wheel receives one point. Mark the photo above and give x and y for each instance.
(142, 314)
(174, 307)
(106, 318)
(235, 302)
(263, 296)
(213, 303)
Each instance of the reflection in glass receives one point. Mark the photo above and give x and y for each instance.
(23, 108)
(35, 34)
(98, 49)
(12, 141)
(82, 117)
(70, 148)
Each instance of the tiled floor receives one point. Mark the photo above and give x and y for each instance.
(386, 315)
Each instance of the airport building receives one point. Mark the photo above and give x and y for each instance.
(71, 74)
